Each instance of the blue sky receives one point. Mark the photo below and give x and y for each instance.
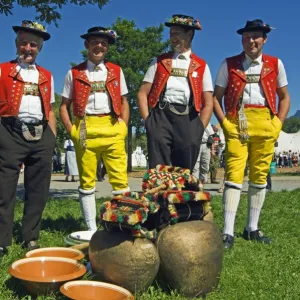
(217, 40)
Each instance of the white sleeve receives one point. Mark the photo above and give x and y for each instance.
(149, 76)
(207, 85)
(66, 144)
(222, 75)
(209, 130)
(52, 100)
(124, 89)
(281, 78)
(68, 86)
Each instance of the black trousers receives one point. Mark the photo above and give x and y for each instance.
(173, 139)
(37, 158)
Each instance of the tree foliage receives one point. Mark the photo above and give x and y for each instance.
(291, 125)
(133, 51)
(62, 134)
(47, 11)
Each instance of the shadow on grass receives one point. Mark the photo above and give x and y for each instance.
(67, 223)
(15, 285)
(63, 224)
(53, 193)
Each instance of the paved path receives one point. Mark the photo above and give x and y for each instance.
(61, 189)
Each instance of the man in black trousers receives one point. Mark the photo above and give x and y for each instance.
(27, 134)
(178, 88)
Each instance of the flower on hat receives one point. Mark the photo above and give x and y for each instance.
(33, 25)
(185, 21)
(112, 33)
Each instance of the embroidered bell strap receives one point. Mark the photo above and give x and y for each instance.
(179, 72)
(31, 89)
(175, 178)
(98, 87)
(149, 200)
(253, 78)
(243, 124)
(38, 129)
(175, 196)
(82, 133)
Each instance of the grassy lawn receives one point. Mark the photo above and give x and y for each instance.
(250, 270)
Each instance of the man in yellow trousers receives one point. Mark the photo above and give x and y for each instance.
(97, 90)
(250, 83)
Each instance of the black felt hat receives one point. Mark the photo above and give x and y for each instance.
(101, 31)
(184, 21)
(255, 25)
(33, 27)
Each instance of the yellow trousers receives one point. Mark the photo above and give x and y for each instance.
(263, 129)
(105, 138)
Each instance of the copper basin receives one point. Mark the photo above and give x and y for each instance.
(56, 252)
(89, 290)
(42, 275)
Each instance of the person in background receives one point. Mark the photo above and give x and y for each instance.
(201, 167)
(71, 168)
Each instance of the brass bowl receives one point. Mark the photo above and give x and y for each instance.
(42, 275)
(89, 290)
(56, 252)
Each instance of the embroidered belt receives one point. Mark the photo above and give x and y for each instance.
(98, 87)
(253, 78)
(31, 89)
(179, 72)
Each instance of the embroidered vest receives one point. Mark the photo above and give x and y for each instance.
(164, 68)
(12, 89)
(82, 88)
(237, 82)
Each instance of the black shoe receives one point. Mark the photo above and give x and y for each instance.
(228, 241)
(3, 251)
(257, 236)
(32, 245)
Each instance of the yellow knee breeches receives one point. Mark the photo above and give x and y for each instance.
(105, 138)
(263, 129)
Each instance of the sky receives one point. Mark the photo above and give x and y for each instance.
(217, 40)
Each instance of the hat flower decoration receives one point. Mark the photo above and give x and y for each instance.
(185, 21)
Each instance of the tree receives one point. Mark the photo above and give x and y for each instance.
(291, 125)
(47, 11)
(133, 51)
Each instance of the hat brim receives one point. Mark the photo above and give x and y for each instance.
(168, 24)
(44, 35)
(263, 29)
(111, 40)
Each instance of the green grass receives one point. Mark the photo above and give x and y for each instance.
(250, 270)
(296, 173)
